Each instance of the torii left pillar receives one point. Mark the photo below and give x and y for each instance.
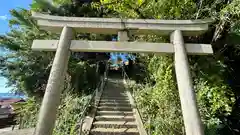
(51, 100)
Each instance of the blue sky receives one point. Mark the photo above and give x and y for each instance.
(5, 6)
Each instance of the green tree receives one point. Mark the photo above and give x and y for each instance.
(26, 70)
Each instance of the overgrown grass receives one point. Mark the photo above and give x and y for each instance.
(69, 113)
(160, 103)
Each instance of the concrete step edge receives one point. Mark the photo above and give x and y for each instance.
(115, 98)
(120, 107)
(114, 123)
(101, 108)
(115, 117)
(115, 104)
(115, 130)
(114, 113)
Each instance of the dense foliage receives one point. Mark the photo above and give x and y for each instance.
(68, 117)
(158, 92)
(216, 78)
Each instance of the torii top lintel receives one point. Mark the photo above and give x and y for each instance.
(113, 25)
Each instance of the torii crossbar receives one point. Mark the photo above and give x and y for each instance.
(176, 29)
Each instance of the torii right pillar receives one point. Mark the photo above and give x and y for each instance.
(191, 116)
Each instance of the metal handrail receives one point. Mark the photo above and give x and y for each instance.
(85, 110)
(93, 96)
(125, 77)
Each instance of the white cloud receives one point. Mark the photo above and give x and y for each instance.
(3, 17)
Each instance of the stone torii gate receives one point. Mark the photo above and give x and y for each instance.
(176, 29)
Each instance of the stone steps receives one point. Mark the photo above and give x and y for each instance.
(114, 114)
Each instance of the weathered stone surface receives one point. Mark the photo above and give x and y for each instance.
(113, 25)
(51, 100)
(110, 46)
(187, 96)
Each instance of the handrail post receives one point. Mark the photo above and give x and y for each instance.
(123, 37)
(81, 124)
(106, 70)
(102, 84)
(97, 73)
(96, 97)
(104, 76)
(190, 111)
(149, 121)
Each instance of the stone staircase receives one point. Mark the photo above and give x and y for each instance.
(114, 114)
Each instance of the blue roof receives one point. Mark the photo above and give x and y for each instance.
(124, 56)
